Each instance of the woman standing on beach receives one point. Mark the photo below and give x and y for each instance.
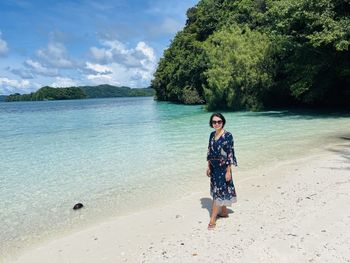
(221, 157)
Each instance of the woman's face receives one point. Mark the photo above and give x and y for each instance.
(216, 122)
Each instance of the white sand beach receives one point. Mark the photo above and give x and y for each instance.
(297, 211)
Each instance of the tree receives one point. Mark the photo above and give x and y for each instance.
(258, 54)
(240, 70)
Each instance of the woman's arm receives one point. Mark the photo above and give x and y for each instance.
(208, 170)
(231, 158)
(208, 153)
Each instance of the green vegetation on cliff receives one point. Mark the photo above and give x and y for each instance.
(48, 93)
(109, 91)
(255, 54)
(83, 92)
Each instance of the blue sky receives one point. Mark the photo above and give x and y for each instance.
(84, 42)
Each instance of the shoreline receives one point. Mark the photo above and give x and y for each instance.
(295, 210)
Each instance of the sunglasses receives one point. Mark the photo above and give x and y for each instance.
(216, 122)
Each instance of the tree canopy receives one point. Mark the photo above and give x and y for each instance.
(82, 92)
(49, 93)
(255, 54)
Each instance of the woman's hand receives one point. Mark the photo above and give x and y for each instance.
(228, 175)
(208, 172)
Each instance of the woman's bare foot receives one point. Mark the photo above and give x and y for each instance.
(211, 225)
(224, 212)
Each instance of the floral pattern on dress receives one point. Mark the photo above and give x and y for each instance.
(220, 155)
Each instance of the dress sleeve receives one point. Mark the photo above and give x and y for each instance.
(231, 158)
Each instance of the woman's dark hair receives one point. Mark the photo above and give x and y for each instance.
(219, 115)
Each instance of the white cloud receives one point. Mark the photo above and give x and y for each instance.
(14, 83)
(120, 65)
(146, 50)
(64, 82)
(55, 55)
(113, 62)
(101, 77)
(101, 54)
(98, 68)
(115, 51)
(3, 46)
(8, 86)
(22, 73)
(149, 62)
(121, 75)
(117, 46)
(37, 68)
(115, 69)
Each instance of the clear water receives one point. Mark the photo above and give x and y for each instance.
(124, 154)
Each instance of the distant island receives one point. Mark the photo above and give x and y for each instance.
(81, 92)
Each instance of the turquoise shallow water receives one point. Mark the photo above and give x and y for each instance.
(124, 154)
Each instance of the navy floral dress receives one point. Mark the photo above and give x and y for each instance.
(220, 155)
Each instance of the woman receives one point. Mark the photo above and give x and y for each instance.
(221, 157)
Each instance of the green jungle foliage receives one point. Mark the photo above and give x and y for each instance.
(256, 54)
(109, 91)
(49, 93)
(84, 92)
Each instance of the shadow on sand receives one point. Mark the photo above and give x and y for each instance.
(207, 203)
(344, 151)
(303, 114)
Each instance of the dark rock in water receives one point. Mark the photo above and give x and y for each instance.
(78, 206)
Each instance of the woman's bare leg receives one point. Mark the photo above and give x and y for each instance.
(214, 213)
(224, 212)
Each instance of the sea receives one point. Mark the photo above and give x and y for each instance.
(121, 155)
